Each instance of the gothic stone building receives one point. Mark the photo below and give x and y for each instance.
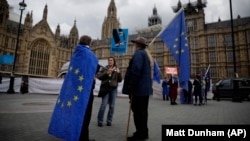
(209, 43)
(42, 52)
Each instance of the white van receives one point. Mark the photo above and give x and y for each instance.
(65, 67)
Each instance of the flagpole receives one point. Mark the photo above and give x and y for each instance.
(207, 69)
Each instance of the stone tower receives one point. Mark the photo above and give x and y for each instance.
(110, 22)
(155, 18)
(73, 37)
(4, 13)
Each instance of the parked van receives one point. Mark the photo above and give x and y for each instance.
(65, 67)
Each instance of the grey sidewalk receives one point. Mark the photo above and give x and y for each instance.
(26, 117)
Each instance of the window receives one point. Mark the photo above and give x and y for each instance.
(212, 57)
(131, 50)
(6, 42)
(248, 37)
(39, 58)
(158, 48)
(213, 72)
(13, 43)
(226, 83)
(191, 25)
(120, 63)
(211, 41)
(171, 60)
(228, 40)
(193, 58)
(159, 61)
(194, 42)
(230, 56)
(230, 71)
(248, 43)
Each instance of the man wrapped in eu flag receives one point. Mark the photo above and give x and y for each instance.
(72, 112)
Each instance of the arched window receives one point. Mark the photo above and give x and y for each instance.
(39, 58)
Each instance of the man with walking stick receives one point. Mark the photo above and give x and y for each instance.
(138, 85)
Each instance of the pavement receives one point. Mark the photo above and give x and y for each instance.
(25, 117)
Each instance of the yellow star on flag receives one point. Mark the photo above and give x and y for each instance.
(182, 33)
(80, 78)
(182, 51)
(69, 104)
(77, 71)
(76, 97)
(177, 52)
(175, 46)
(70, 68)
(80, 88)
(186, 44)
(176, 39)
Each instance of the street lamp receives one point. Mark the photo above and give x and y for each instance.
(233, 44)
(12, 76)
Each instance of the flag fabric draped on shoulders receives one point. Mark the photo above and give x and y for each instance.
(156, 76)
(69, 111)
(175, 38)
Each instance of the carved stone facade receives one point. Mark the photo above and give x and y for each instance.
(210, 44)
(40, 52)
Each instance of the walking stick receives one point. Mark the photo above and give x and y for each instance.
(129, 112)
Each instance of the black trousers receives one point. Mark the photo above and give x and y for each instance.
(140, 112)
(85, 127)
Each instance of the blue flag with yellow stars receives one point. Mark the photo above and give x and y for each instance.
(156, 75)
(69, 111)
(175, 38)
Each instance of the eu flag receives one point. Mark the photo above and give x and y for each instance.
(156, 76)
(69, 111)
(175, 38)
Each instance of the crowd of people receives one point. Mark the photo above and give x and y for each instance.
(137, 85)
(197, 89)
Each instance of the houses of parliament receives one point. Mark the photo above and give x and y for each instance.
(42, 53)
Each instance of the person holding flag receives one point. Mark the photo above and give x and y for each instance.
(207, 83)
(72, 112)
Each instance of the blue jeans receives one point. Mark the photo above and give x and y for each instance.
(107, 99)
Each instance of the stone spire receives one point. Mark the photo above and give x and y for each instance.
(110, 22)
(45, 12)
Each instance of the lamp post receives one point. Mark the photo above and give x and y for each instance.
(12, 76)
(233, 44)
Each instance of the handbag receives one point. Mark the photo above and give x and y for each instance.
(104, 90)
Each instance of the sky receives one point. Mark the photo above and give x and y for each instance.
(132, 14)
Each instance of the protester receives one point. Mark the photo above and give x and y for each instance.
(86, 41)
(207, 87)
(188, 93)
(110, 77)
(173, 87)
(138, 85)
(197, 89)
(190, 90)
(165, 89)
(72, 113)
